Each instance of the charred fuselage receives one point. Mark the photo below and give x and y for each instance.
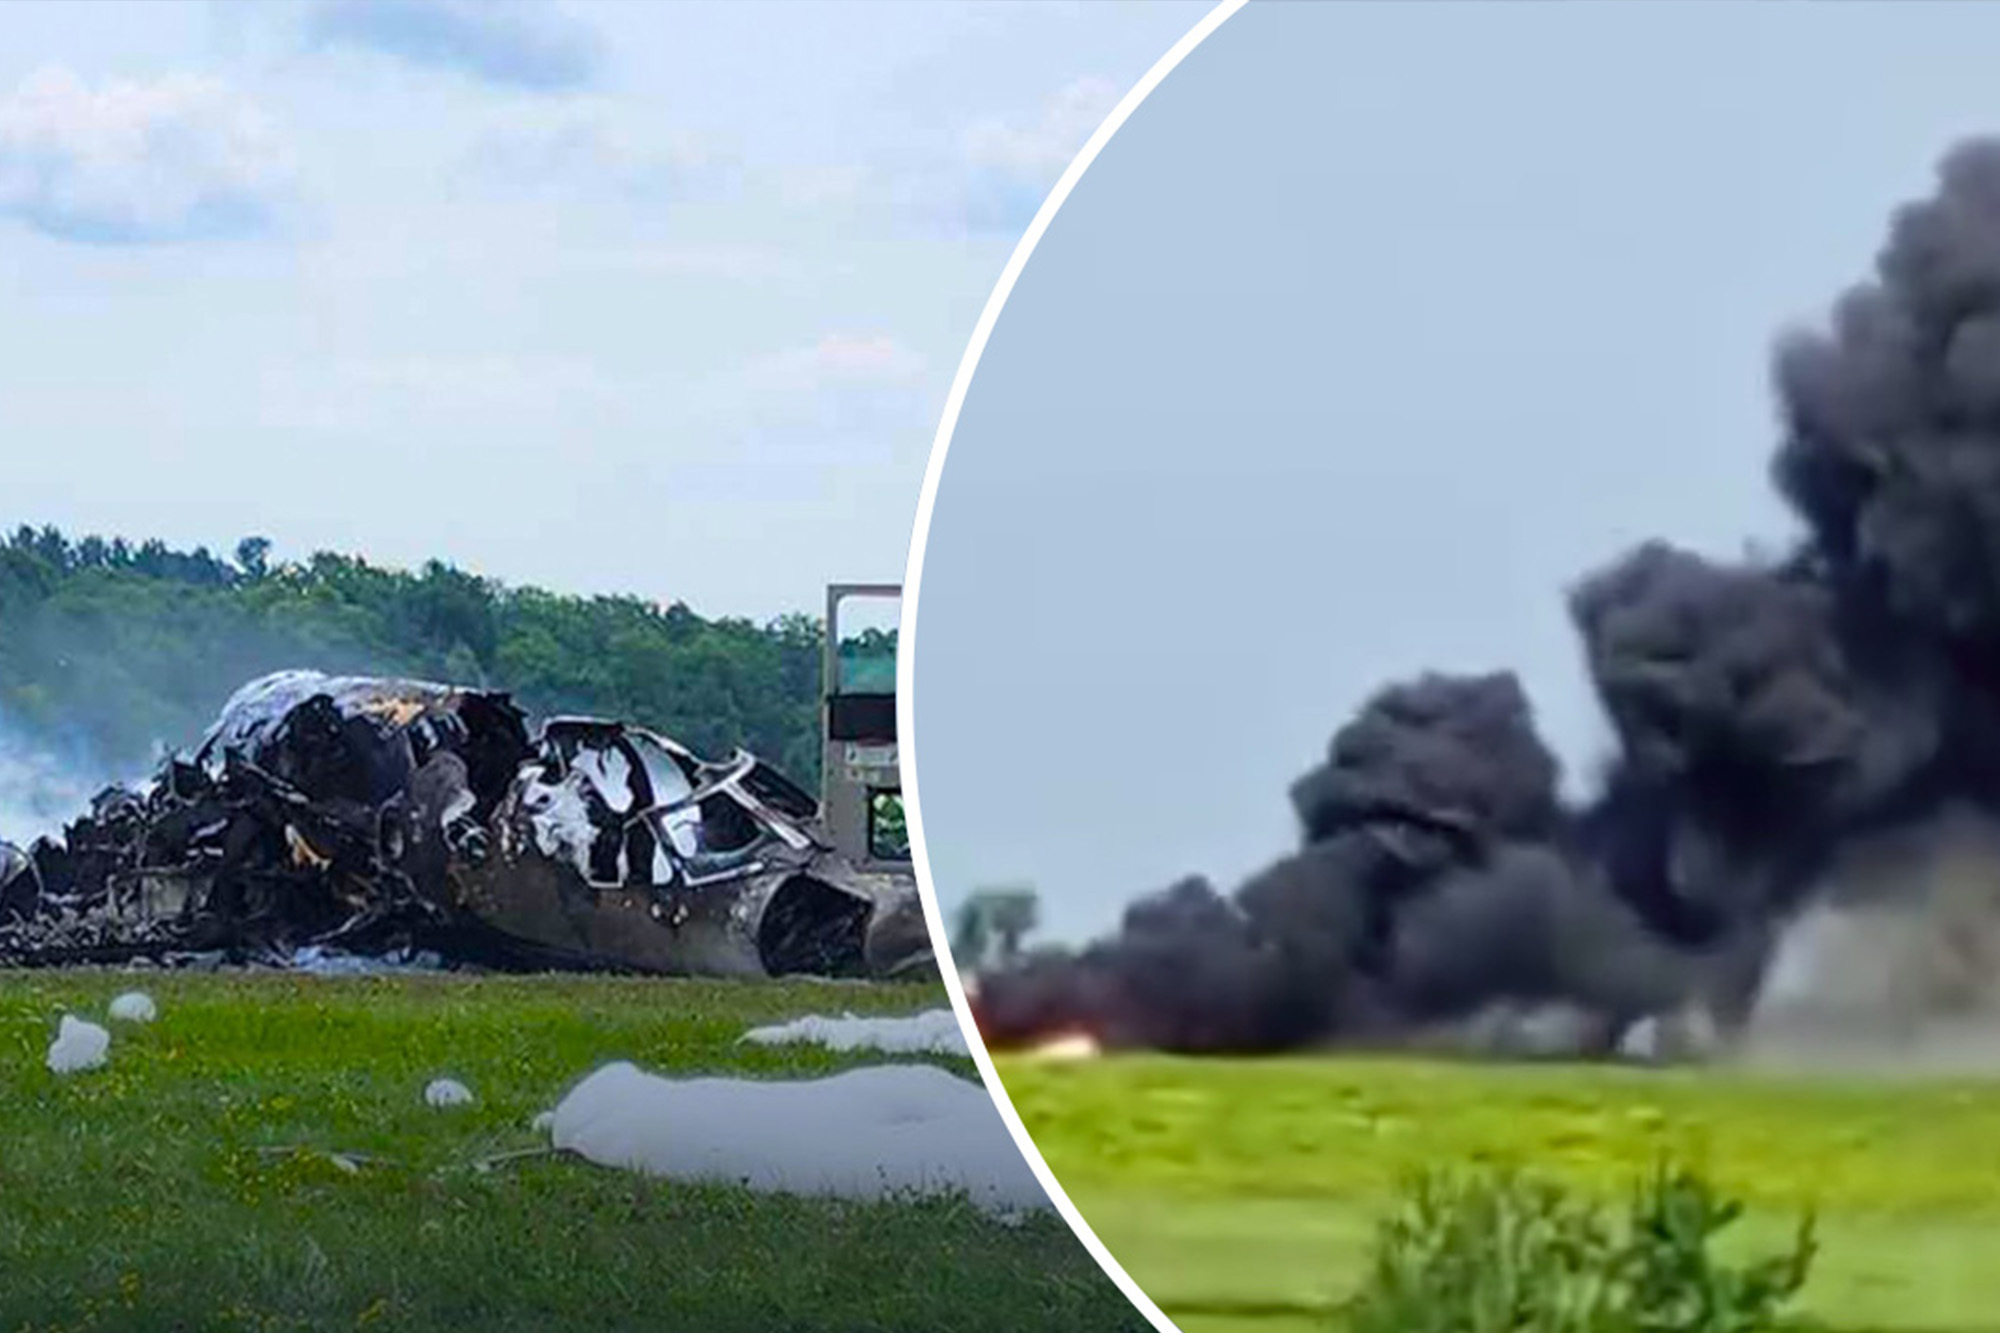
(380, 815)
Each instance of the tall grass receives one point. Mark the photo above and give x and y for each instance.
(1505, 1252)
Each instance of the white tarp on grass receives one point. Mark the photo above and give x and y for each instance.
(875, 1133)
(934, 1032)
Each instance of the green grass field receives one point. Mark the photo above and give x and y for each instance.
(1242, 1195)
(185, 1186)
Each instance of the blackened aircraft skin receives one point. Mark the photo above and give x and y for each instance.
(378, 814)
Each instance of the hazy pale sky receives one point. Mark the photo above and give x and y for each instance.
(647, 298)
(1374, 329)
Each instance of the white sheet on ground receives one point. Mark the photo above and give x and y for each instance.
(935, 1032)
(870, 1133)
(79, 1044)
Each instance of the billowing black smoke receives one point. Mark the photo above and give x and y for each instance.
(1766, 718)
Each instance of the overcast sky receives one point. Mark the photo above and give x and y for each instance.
(647, 298)
(1374, 329)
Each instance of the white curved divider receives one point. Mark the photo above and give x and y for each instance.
(906, 635)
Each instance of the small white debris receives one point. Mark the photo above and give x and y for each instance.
(78, 1045)
(447, 1092)
(321, 961)
(134, 1006)
(934, 1032)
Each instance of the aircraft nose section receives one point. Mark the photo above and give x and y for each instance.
(899, 939)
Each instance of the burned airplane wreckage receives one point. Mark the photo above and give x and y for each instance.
(382, 817)
(1797, 840)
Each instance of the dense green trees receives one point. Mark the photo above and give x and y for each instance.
(125, 648)
(990, 927)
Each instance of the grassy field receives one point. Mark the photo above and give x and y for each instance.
(1242, 1195)
(185, 1185)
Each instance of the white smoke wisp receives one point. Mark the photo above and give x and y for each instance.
(1896, 964)
(44, 784)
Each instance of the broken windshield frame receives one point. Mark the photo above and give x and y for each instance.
(696, 804)
(729, 784)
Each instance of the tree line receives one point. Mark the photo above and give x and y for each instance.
(120, 649)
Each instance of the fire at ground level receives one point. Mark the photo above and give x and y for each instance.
(1894, 967)
(391, 819)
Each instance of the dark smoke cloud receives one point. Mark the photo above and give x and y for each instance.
(1711, 668)
(1893, 412)
(1737, 707)
(1767, 718)
(1528, 925)
(1454, 753)
(1426, 784)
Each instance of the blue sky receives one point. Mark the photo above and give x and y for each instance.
(1371, 331)
(660, 299)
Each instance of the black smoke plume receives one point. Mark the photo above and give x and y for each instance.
(1769, 717)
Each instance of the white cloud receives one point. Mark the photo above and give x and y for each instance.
(846, 400)
(814, 187)
(593, 142)
(176, 158)
(436, 390)
(838, 360)
(1039, 151)
(507, 42)
(1012, 166)
(742, 262)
